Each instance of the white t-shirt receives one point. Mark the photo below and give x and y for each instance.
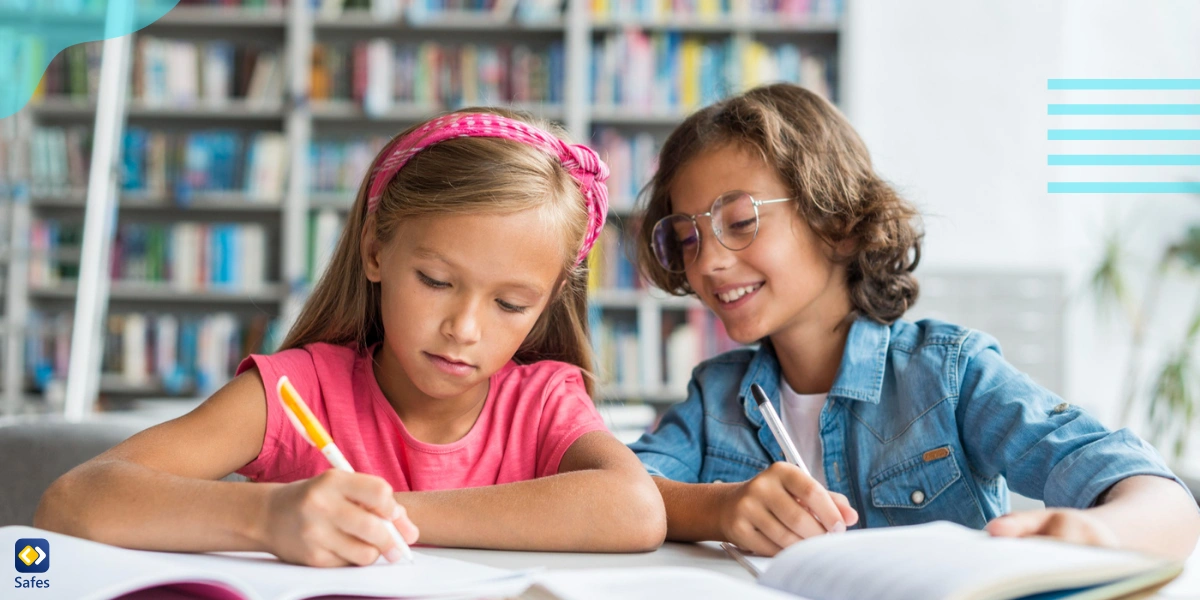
(801, 416)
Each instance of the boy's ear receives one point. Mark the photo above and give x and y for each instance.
(369, 248)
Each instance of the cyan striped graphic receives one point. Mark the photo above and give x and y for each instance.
(1123, 84)
(1124, 134)
(1123, 187)
(1123, 109)
(1121, 160)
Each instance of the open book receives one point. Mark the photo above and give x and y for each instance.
(85, 570)
(948, 561)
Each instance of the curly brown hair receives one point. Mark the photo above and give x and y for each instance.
(828, 171)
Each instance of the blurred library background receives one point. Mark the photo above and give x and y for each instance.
(249, 123)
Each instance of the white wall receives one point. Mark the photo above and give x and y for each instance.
(951, 98)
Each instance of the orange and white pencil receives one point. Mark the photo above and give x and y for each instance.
(310, 429)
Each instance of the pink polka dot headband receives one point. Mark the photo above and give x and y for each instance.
(581, 162)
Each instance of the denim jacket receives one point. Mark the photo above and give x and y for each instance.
(925, 421)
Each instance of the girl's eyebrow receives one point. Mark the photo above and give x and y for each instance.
(517, 284)
(424, 252)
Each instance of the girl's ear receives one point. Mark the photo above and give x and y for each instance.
(369, 248)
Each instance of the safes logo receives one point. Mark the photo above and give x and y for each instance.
(33, 555)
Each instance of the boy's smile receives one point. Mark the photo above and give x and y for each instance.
(785, 277)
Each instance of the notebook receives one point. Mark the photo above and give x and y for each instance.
(948, 561)
(650, 583)
(62, 566)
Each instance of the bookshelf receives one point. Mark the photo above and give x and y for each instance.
(547, 57)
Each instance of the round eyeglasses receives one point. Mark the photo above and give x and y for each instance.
(734, 220)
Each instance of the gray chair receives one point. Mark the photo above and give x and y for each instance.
(35, 452)
(38, 451)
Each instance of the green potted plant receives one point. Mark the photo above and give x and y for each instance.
(1170, 394)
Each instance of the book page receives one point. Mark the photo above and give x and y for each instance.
(426, 576)
(89, 570)
(645, 582)
(942, 560)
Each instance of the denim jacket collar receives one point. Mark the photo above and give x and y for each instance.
(860, 376)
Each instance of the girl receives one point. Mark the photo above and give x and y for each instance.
(444, 351)
(766, 207)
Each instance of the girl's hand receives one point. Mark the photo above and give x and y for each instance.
(1066, 524)
(335, 519)
(780, 507)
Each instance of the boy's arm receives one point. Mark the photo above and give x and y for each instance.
(601, 500)
(157, 490)
(1101, 487)
(1143, 513)
(675, 449)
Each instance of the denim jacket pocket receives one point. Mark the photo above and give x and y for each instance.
(927, 487)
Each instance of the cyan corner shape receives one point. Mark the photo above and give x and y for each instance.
(32, 32)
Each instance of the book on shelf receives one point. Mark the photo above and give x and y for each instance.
(423, 11)
(324, 231)
(714, 10)
(181, 165)
(166, 166)
(609, 264)
(380, 74)
(672, 72)
(690, 336)
(152, 353)
(185, 73)
(187, 256)
(632, 159)
(338, 165)
(242, 4)
(59, 159)
(617, 354)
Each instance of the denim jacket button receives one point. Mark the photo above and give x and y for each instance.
(1062, 407)
(918, 497)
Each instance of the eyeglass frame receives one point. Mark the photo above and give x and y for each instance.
(755, 202)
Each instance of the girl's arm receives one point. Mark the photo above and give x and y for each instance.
(1144, 513)
(601, 500)
(158, 491)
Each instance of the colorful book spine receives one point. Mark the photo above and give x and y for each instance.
(152, 353)
(181, 166)
(340, 164)
(632, 161)
(610, 265)
(796, 11)
(382, 75)
(667, 71)
(184, 255)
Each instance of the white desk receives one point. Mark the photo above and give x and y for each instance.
(709, 557)
(671, 554)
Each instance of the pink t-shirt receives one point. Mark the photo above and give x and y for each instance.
(532, 414)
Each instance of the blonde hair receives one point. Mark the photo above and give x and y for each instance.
(468, 175)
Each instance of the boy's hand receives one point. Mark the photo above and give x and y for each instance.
(780, 507)
(1066, 524)
(335, 519)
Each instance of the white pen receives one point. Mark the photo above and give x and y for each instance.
(310, 428)
(776, 425)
